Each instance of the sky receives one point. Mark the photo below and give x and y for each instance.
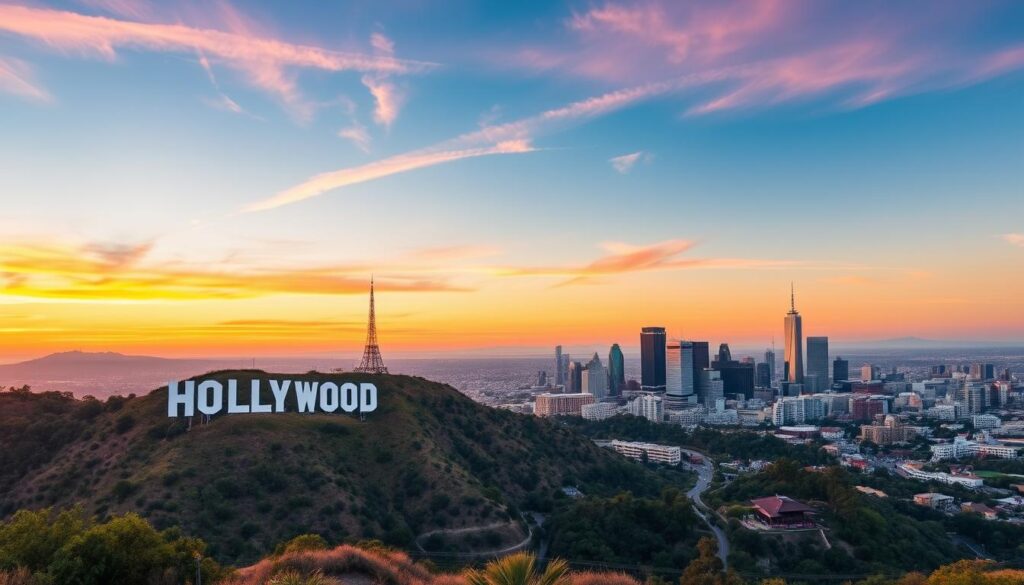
(189, 178)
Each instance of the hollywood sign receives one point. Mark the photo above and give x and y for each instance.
(210, 397)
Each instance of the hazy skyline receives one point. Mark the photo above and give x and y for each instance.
(190, 178)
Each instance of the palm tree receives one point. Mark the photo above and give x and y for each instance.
(519, 569)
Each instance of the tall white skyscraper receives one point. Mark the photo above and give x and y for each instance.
(680, 386)
(794, 366)
(595, 378)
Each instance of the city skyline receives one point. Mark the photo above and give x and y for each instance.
(182, 179)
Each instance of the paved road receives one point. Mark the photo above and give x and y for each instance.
(705, 472)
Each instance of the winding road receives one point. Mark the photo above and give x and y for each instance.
(705, 472)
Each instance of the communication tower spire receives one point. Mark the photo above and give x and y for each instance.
(372, 362)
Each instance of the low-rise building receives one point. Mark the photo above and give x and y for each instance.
(934, 501)
(598, 410)
(967, 480)
(561, 404)
(976, 508)
(961, 447)
(783, 512)
(654, 453)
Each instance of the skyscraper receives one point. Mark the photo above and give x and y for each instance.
(817, 362)
(769, 358)
(679, 375)
(840, 369)
(652, 359)
(737, 377)
(701, 362)
(559, 366)
(616, 370)
(596, 378)
(574, 378)
(763, 375)
(794, 364)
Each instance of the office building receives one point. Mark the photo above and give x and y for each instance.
(616, 371)
(595, 378)
(840, 370)
(763, 375)
(817, 363)
(737, 377)
(869, 373)
(769, 358)
(701, 362)
(680, 385)
(889, 432)
(961, 447)
(598, 411)
(665, 454)
(561, 404)
(559, 366)
(647, 406)
(793, 367)
(714, 388)
(574, 378)
(652, 359)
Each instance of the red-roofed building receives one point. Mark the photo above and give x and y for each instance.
(783, 512)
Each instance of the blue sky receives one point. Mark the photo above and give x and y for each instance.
(569, 152)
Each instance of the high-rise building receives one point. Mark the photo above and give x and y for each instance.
(737, 377)
(574, 378)
(990, 371)
(701, 362)
(680, 385)
(840, 369)
(769, 358)
(559, 366)
(817, 362)
(616, 370)
(763, 375)
(652, 359)
(711, 381)
(869, 372)
(596, 378)
(794, 356)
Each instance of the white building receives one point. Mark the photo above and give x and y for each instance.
(598, 411)
(655, 453)
(961, 447)
(647, 406)
(986, 421)
(728, 416)
(914, 471)
(797, 410)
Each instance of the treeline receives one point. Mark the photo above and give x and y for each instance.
(67, 548)
(46, 548)
(657, 532)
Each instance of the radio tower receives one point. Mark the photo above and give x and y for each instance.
(372, 362)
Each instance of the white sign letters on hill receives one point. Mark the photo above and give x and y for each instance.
(210, 397)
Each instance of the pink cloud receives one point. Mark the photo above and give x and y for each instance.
(266, 62)
(387, 95)
(769, 52)
(16, 77)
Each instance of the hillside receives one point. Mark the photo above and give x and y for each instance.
(428, 459)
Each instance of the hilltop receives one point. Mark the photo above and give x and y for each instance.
(428, 461)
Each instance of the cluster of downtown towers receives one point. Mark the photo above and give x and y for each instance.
(684, 373)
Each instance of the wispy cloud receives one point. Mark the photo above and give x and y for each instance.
(387, 95)
(770, 52)
(507, 138)
(623, 258)
(16, 77)
(624, 164)
(106, 272)
(356, 134)
(1013, 239)
(266, 62)
(325, 182)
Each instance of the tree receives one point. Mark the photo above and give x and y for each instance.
(519, 569)
(707, 568)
